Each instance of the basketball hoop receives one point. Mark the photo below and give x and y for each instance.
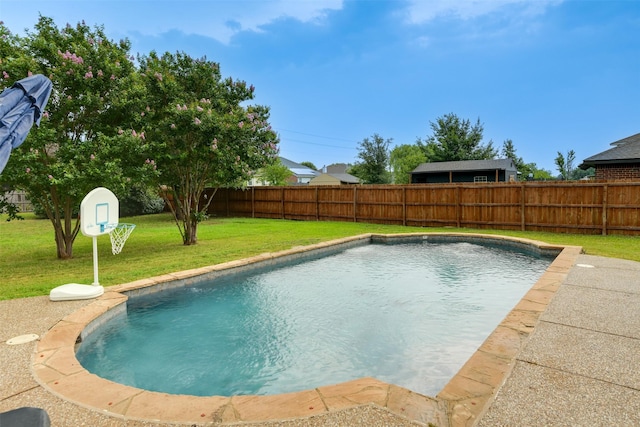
(119, 234)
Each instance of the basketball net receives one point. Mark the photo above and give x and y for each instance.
(119, 234)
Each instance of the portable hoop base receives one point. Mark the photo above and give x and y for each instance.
(73, 291)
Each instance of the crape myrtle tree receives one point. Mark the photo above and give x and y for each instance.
(455, 139)
(85, 139)
(202, 132)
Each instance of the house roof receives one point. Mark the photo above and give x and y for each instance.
(465, 165)
(346, 178)
(343, 178)
(336, 168)
(298, 169)
(623, 151)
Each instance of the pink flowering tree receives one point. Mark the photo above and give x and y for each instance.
(203, 133)
(87, 137)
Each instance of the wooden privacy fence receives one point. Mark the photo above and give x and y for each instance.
(611, 207)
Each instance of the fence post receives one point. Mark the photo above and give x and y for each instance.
(523, 224)
(404, 205)
(282, 204)
(458, 207)
(317, 206)
(253, 202)
(605, 191)
(355, 203)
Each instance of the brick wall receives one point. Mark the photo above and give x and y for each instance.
(620, 171)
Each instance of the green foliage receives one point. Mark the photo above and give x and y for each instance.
(141, 200)
(202, 132)
(454, 139)
(374, 153)
(565, 164)
(275, 174)
(583, 173)
(541, 174)
(310, 165)
(509, 152)
(403, 160)
(77, 146)
(9, 209)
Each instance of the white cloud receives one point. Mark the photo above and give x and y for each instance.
(223, 19)
(420, 11)
(219, 19)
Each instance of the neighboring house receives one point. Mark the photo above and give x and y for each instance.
(300, 174)
(334, 179)
(335, 168)
(620, 162)
(500, 170)
(335, 174)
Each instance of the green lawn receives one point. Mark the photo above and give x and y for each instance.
(29, 265)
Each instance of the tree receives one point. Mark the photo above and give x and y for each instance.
(530, 171)
(454, 139)
(565, 164)
(579, 173)
(509, 152)
(77, 146)
(276, 174)
(310, 165)
(374, 154)
(202, 134)
(403, 160)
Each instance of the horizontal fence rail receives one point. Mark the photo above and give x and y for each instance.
(608, 207)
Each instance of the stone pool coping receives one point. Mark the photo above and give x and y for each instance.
(461, 402)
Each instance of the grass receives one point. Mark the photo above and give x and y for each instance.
(29, 265)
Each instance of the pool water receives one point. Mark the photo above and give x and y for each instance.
(410, 314)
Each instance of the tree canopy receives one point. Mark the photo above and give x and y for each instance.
(275, 174)
(172, 121)
(403, 160)
(565, 164)
(456, 139)
(201, 133)
(374, 153)
(77, 146)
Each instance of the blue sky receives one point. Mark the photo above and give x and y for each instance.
(551, 75)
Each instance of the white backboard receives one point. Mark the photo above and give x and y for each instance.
(99, 212)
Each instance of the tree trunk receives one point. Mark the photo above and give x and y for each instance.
(191, 232)
(64, 229)
(64, 245)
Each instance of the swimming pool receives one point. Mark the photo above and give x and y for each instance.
(414, 315)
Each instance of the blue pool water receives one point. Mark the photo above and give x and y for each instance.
(409, 314)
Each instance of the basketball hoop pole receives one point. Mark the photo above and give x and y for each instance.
(95, 261)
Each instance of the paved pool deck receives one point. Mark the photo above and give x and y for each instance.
(566, 355)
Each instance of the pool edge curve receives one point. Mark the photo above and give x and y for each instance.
(461, 402)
